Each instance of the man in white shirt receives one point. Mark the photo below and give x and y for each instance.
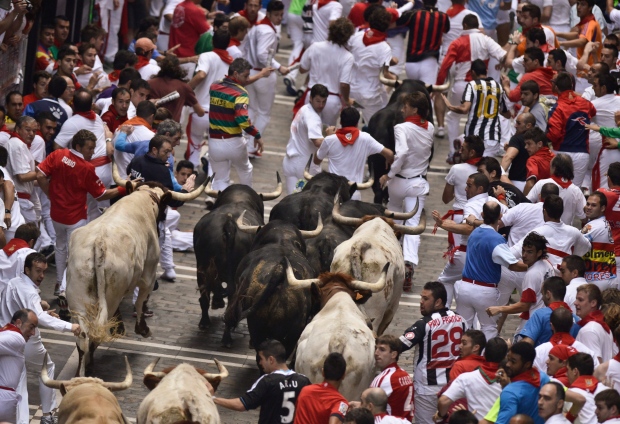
(142, 125)
(580, 368)
(8, 195)
(608, 406)
(13, 255)
(572, 270)
(594, 333)
(331, 64)
(163, 36)
(610, 371)
(324, 13)
(406, 180)
(13, 338)
(21, 167)
(561, 175)
(22, 292)
(147, 67)
(349, 148)
(551, 402)
(372, 55)
(601, 259)
(306, 138)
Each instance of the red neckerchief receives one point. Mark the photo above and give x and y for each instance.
(234, 42)
(531, 376)
(417, 120)
(114, 112)
(595, 316)
(142, 62)
(562, 376)
(473, 161)
(322, 3)
(11, 327)
(266, 21)
(617, 357)
(525, 31)
(489, 371)
(14, 245)
(561, 181)
(244, 14)
(16, 135)
(232, 79)
(585, 382)
(559, 304)
(562, 339)
(372, 36)
(5, 129)
(224, 55)
(88, 115)
(136, 120)
(114, 76)
(348, 135)
(454, 10)
(587, 19)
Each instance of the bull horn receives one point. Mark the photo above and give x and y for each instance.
(223, 372)
(442, 87)
(116, 176)
(413, 231)
(367, 184)
(274, 194)
(45, 378)
(250, 229)
(294, 282)
(150, 367)
(403, 215)
(123, 385)
(186, 197)
(209, 190)
(340, 219)
(373, 287)
(387, 81)
(315, 232)
(307, 175)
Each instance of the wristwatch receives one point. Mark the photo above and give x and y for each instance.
(7, 211)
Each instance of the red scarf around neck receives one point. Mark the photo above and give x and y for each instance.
(587, 19)
(11, 327)
(14, 245)
(114, 76)
(16, 135)
(489, 371)
(585, 382)
(562, 339)
(595, 316)
(348, 135)
(224, 55)
(417, 120)
(561, 181)
(531, 376)
(372, 36)
(234, 42)
(266, 21)
(322, 3)
(454, 10)
(5, 129)
(617, 357)
(245, 15)
(88, 115)
(562, 376)
(142, 62)
(559, 304)
(473, 161)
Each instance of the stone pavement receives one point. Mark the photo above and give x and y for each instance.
(176, 337)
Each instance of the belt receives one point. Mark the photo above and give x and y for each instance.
(462, 248)
(224, 136)
(7, 388)
(257, 69)
(100, 161)
(553, 252)
(408, 178)
(25, 196)
(479, 283)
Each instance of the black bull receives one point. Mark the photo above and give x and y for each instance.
(381, 127)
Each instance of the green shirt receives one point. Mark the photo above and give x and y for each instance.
(204, 44)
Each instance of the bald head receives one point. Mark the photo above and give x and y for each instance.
(491, 212)
(528, 118)
(375, 399)
(521, 419)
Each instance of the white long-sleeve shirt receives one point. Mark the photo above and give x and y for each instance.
(256, 45)
(573, 198)
(12, 360)
(413, 145)
(12, 266)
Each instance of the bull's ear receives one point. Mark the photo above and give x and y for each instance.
(165, 199)
(150, 381)
(361, 296)
(129, 187)
(315, 298)
(352, 189)
(63, 389)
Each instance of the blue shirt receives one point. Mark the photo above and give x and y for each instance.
(479, 263)
(487, 10)
(140, 148)
(520, 397)
(538, 327)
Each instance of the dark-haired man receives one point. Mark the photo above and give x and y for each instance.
(580, 368)
(608, 406)
(550, 403)
(506, 193)
(473, 343)
(275, 392)
(572, 270)
(594, 333)
(613, 197)
(142, 125)
(13, 254)
(535, 70)
(515, 158)
(538, 164)
(432, 372)
(55, 89)
(117, 112)
(600, 261)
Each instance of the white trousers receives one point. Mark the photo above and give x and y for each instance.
(48, 234)
(156, 7)
(491, 148)
(223, 154)
(580, 165)
(197, 127)
(35, 353)
(595, 144)
(165, 247)
(63, 235)
(509, 281)
(372, 105)
(397, 43)
(424, 70)
(608, 157)
(104, 173)
(453, 120)
(472, 302)
(293, 168)
(295, 29)
(30, 208)
(262, 93)
(181, 240)
(452, 272)
(8, 405)
(162, 41)
(425, 407)
(111, 22)
(403, 197)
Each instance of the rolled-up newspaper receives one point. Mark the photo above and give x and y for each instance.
(270, 56)
(168, 98)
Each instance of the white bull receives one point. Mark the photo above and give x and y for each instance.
(339, 326)
(180, 394)
(365, 254)
(111, 256)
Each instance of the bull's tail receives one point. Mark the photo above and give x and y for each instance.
(357, 257)
(277, 277)
(230, 233)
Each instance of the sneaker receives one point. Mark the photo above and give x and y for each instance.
(254, 155)
(169, 275)
(407, 286)
(290, 87)
(440, 133)
(57, 290)
(49, 419)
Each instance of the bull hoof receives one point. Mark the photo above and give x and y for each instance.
(227, 340)
(217, 303)
(119, 330)
(204, 323)
(143, 329)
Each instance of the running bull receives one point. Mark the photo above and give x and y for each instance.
(111, 256)
(218, 244)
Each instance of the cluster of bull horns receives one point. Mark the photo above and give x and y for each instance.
(253, 229)
(429, 87)
(223, 372)
(360, 186)
(265, 196)
(355, 284)
(113, 387)
(404, 229)
(179, 197)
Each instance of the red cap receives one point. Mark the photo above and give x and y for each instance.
(563, 352)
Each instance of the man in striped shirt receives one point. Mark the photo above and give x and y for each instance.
(228, 117)
(483, 99)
